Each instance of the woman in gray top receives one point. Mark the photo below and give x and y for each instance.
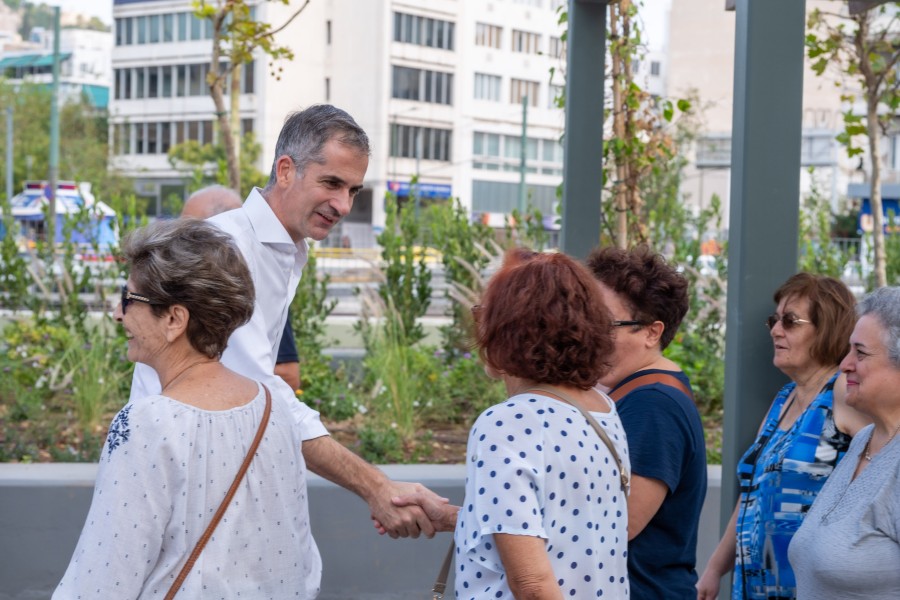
(849, 544)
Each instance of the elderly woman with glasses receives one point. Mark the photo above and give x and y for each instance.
(170, 458)
(802, 438)
(849, 544)
(647, 299)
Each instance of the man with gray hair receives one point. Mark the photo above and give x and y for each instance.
(210, 201)
(320, 162)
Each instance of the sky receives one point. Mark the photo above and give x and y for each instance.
(653, 14)
(90, 8)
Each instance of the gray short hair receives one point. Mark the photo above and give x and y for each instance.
(304, 135)
(884, 305)
(197, 265)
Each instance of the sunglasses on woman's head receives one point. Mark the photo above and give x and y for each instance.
(129, 297)
(788, 321)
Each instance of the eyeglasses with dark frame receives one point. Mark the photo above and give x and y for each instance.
(788, 321)
(630, 323)
(129, 297)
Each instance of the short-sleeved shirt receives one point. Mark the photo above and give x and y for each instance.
(666, 443)
(780, 476)
(536, 467)
(848, 547)
(164, 471)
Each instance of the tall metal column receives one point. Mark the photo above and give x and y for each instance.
(54, 131)
(583, 141)
(765, 189)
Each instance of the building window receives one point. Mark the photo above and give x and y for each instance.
(426, 143)
(496, 152)
(152, 82)
(249, 73)
(557, 48)
(195, 80)
(182, 23)
(422, 85)
(519, 88)
(153, 37)
(487, 35)
(166, 91)
(141, 23)
(654, 67)
(196, 28)
(327, 89)
(140, 74)
(152, 138)
(423, 31)
(526, 42)
(487, 87)
(120, 31)
(168, 24)
(165, 137)
(328, 32)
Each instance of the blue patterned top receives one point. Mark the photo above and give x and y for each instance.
(780, 475)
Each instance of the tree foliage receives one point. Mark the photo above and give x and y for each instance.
(237, 36)
(864, 48)
(206, 164)
(83, 152)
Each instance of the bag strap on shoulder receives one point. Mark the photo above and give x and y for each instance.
(650, 379)
(186, 569)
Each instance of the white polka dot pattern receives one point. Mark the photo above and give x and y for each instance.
(536, 467)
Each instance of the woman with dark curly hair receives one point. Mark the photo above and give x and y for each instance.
(544, 514)
(647, 299)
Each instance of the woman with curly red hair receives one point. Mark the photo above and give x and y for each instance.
(545, 512)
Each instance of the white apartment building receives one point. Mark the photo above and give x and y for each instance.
(437, 84)
(84, 61)
(701, 62)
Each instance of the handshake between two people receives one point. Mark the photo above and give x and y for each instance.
(423, 512)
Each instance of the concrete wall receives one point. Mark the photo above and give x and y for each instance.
(42, 510)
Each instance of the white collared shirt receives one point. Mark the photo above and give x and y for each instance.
(276, 264)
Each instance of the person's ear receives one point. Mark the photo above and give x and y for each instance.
(285, 170)
(177, 317)
(654, 333)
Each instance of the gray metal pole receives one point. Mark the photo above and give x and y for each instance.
(523, 158)
(583, 143)
(54, 130)
(9, 153)
(765, 191)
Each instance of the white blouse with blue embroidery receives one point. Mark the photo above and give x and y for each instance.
(164, 471)
(536, 467)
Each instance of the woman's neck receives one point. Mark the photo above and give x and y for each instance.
(810, 382)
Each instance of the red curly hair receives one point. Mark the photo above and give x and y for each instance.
(542, 319)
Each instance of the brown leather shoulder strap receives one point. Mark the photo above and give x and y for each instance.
(650, 379)
(201, 543)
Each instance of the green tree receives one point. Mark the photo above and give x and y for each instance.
(863, 47)
(236, 36)
(83, 152)
(639, 139)
(206, 164)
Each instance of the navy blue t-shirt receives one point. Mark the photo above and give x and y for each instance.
(665, 442)
(287, 348)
